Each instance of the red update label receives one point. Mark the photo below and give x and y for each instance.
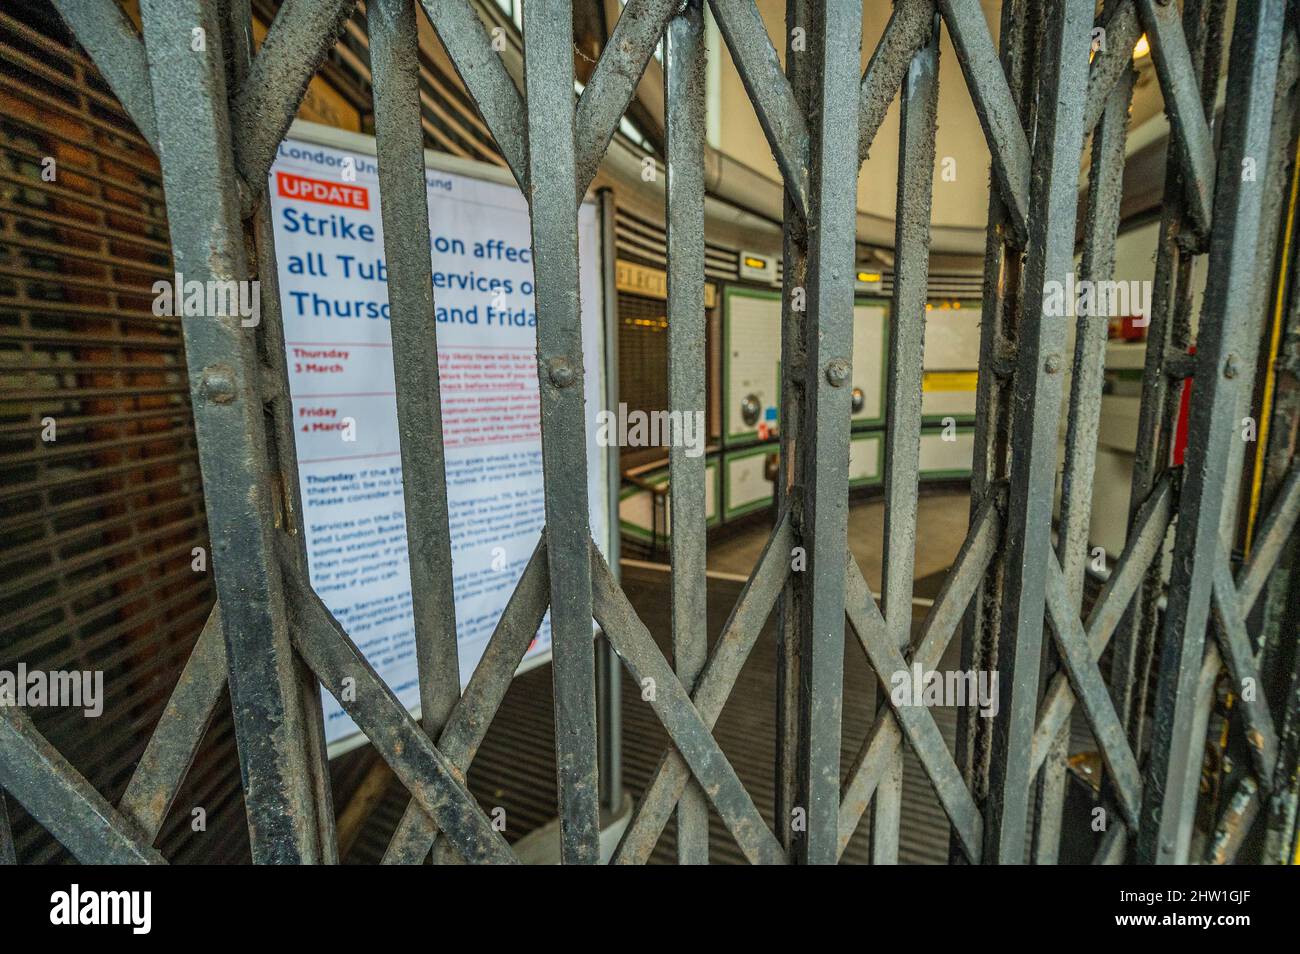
(318, 190)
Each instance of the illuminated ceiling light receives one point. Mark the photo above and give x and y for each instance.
(1142, 47)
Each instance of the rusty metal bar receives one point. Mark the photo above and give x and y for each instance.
(1021, 23)
(885, 735)
(711, 691)
(916, 149)
(994, 104)
(1239, 655)
(604, 99)
(434, 781)
(916, 721)
(480, 68)
(836, 36)
(468, 723)
(1090, 689)
(690, 733)
(109, 37)
(909, 27)
(1274, 532)
(684, 196)
(394, 64)
(158, 775)
(548, 60)
(794, 355)
(1233, 245)
(1035, 413)
(781, 117)
(1101, 227)
(1190, 135)
(1168, 334)
(191, 106)
(1142, 548)
(299, 38)
(55, 794)
(1120, 21)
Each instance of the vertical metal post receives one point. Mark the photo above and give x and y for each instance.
(833, 165)
(684, 196)
(1101, 226)
(282, 438)
(187, 74)
(1021, 19)
(1035, 413)
(1168, 333)
(609, 670)
(1234, 242)
(394, 64)
(794, 279)
(548, 78)
(916, 151)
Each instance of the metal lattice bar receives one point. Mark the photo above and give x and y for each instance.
(60, 799)
(684, 196)
(605, 98)
(484, 75)
(1034, 415)
(885, 736)
(400, 147)
(791, 462)
(1141, 549)
(161, 770)
(917, 722)
(103, 29)
(1168, 335)
(916, 149)
(1233, 246)
(1019, 23)
(711, 691)
(689, 732)
(548, 60)
(1101, 227)
(783, 120)
(910, 26)
(215, 113)
(1195, 150)
(434, 781)
(190, 104)
(468, 723)
(994, 104)
(833, 156)
(302, 32)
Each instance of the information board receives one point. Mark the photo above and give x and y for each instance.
(329, 245)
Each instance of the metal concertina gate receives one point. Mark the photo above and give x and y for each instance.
(214, 112)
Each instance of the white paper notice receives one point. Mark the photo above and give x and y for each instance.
(333, 289)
